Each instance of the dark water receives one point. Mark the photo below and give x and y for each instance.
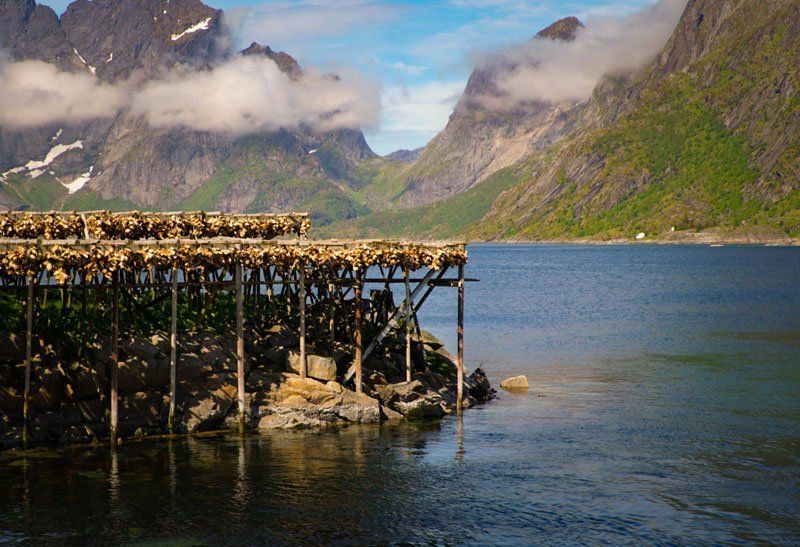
(665, 408)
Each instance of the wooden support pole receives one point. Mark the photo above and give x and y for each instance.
(28, 357)
(390, 324)
(303, 363)
(240, 344)
(408, 322)
(460, 383)
(357, 334)
(114, 359)
(332, 313)
(173, 352)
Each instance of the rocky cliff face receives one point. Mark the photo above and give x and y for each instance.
(124, 162)
(482, 138)
(707, 135)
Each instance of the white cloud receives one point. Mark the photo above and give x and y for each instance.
(555, 71)
(425, 107)
(251, 94)
(244, 95)
(36, 93)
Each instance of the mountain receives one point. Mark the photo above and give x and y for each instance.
(702, 142)
(124, 162)
(480, 139)
(707, 136)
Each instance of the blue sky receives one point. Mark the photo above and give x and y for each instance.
(418, 50)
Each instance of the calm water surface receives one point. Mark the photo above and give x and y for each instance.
(665, 408)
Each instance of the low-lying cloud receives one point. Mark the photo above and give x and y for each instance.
(556, 71)
(35, 93)
(243, 95)
(248, 95)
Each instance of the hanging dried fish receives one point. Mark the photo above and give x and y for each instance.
(105, 225)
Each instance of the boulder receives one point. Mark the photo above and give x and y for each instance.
(143, 348)
(286, 417)
(479, 386)
(319, 367)
(191, 368)
(515, 382)
(10, 399)
(47, 427)
(12, 347)
(412, 399)
(206, 406)
(75, 434)
(47, 389)
(430, 406)
(140, 410)
(430, 340)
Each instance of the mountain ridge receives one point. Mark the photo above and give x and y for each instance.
(701, 144)
(124, 162)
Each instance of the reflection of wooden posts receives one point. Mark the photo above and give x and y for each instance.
(303, 364)
(460, 336)
(408, 322)
(239, 343)
(357, 335)
(114, 357)
(28, 356)
(173, 352)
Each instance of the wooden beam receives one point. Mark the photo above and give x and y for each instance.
(113, 429)
(460, 382)
(303, 363)
(239, 344)
(357, 363)
(173, 352)
(388, 327)
(28, 357)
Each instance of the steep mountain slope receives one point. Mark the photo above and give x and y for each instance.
(124, 162)
(482, 138)
(708, 135)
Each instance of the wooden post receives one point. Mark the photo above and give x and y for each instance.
(303, 363)
(173, 352)
(331, 313)
(28, 357)
(114, 359)
(408, 322)
(239, 344)
(460, 382)
(357, 335)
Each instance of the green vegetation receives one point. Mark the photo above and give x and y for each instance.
(713, 145)
(86, 200)
(448, 218)
(39, 194)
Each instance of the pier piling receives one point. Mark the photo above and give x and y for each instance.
(239, 344)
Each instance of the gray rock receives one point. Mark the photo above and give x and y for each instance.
(206, 407)
(515, 382)
(321, 368)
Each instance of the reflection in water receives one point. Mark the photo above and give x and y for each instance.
(114, 482)
(460, 437)
(643, 424)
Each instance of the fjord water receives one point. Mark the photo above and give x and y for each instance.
(664, 407)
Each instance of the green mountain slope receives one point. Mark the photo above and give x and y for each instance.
(707, 136)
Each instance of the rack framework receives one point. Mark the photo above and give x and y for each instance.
(170, 253)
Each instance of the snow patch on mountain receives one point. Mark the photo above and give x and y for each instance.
(34, 168)
(202, 25)
(79, 182)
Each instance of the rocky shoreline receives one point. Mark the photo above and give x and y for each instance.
(69, 400)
